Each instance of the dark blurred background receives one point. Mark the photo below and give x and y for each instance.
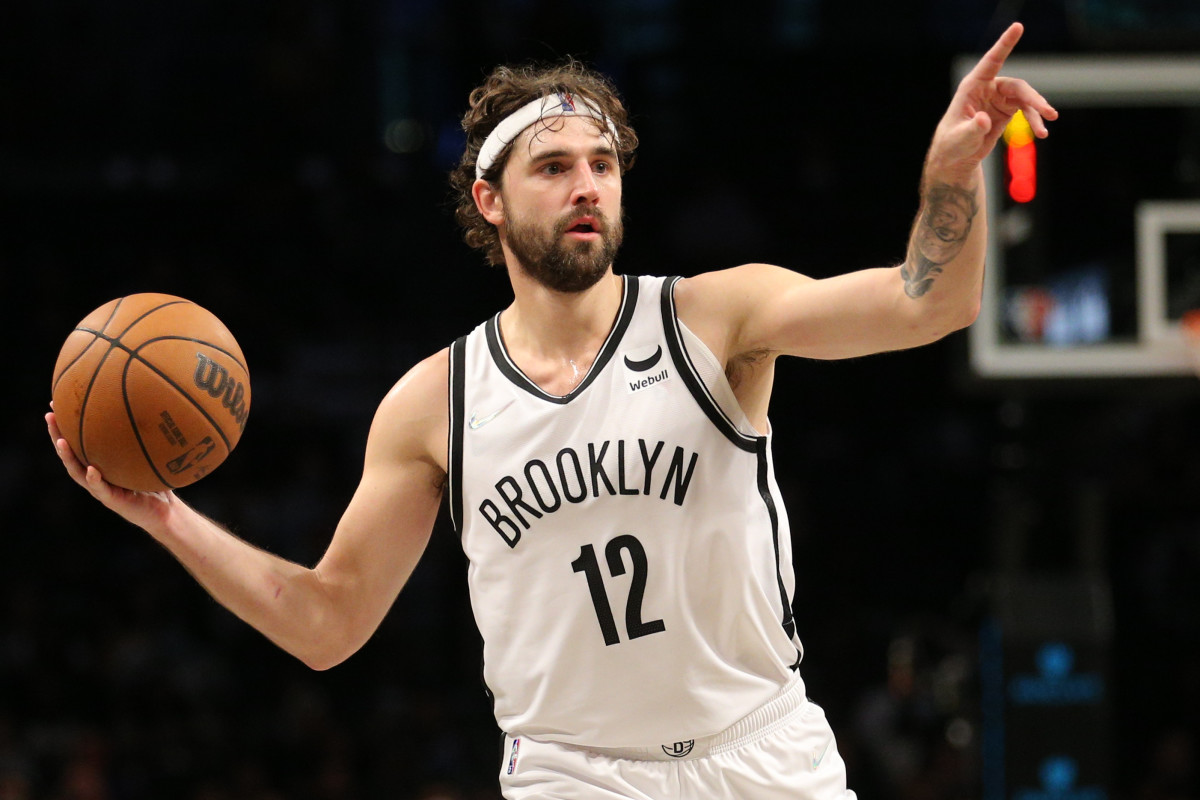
(284, 165)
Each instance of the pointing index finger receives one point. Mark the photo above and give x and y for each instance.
(993, 60)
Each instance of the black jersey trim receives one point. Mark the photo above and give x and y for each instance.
(510, 370)
(754, 444)
(458, 382)
(764, 490)
(691, 376)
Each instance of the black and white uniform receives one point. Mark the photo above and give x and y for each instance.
(629, 554)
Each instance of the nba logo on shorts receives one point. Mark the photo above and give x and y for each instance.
(512, 759)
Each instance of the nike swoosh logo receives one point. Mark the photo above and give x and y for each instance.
(642, 366)
(817, 761)
(476, 422)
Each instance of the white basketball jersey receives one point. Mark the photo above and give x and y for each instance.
(630, 558)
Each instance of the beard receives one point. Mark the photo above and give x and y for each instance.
(560, 265)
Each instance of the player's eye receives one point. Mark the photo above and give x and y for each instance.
(552, 169)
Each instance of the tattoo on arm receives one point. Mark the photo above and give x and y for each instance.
(941, 231)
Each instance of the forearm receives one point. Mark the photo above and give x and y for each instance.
(283, 600)
(943, 270)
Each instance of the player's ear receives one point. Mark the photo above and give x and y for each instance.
(489, 201)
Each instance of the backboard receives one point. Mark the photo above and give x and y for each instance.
(1090, 276)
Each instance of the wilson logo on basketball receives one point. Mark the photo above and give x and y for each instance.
(214, 379)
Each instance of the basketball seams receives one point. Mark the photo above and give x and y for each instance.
(99, 387)
(148, 312)
(169, 338)
(136, 354)
(137, 433)
(133, 355)
(67, 368)
(216, 426)
(87, 347)
(133, 351)
(97, 336)
(113, 314)
(86, 397)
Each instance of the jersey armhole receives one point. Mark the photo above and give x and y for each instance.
(712, 375)
(694, 378)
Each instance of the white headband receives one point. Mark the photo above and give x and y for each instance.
(559, 104)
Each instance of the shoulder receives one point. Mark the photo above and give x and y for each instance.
(730, 287)
(427, 382)
(412, 420)
(716, 305)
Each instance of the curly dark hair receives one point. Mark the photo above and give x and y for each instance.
(506, 89)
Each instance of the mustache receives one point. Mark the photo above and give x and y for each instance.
(565, 223)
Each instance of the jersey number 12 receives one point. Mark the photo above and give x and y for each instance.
(588, 564)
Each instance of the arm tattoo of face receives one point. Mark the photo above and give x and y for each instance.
(939, 236)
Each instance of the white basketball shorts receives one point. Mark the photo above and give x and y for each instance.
(783, 750)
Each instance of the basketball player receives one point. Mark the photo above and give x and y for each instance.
(604, 447)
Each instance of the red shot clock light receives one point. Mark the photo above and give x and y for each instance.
(1021, 159)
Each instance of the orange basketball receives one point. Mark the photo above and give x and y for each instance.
(153, 390)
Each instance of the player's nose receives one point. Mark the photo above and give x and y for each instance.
(583, 187)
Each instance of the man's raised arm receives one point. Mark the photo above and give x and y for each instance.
(759, 308)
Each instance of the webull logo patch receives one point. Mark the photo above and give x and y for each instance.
(645, 368)
(648, 381)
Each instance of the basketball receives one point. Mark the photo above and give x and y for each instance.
(152, 390)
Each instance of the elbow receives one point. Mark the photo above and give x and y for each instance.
(320, 659)
(933, 327)
(321, 664)
(327, 642)
(970, 304)
(974, 307)
(324, 632)
(966, 314)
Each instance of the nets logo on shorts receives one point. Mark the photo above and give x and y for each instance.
(679, 749)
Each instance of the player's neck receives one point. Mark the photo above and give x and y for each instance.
(554, 336)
